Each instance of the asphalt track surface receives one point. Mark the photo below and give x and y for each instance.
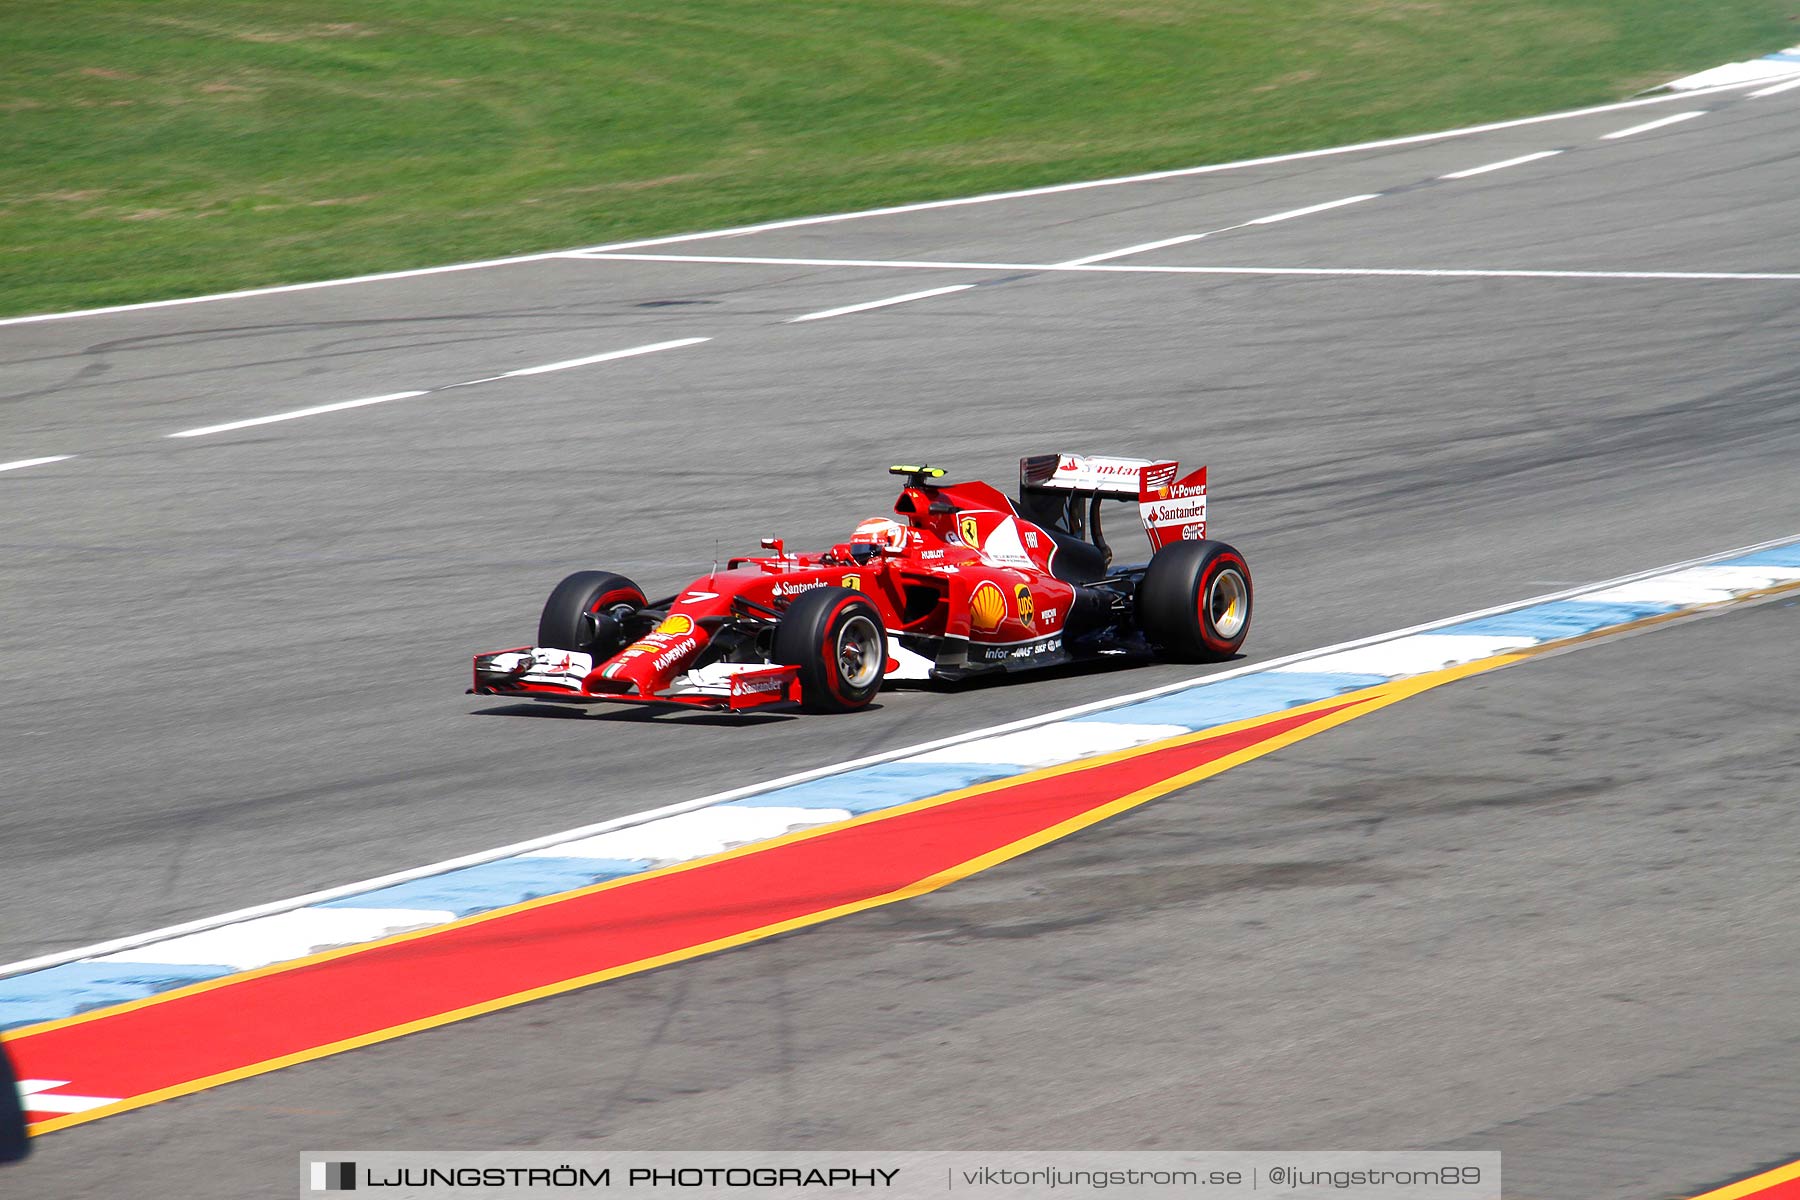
(1548, 910)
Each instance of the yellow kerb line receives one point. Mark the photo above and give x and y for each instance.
(1754, 1184)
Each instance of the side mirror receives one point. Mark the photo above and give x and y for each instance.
(13, 1142)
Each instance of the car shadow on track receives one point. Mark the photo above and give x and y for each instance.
(1125, 668)
(682, 717)
(646, 715)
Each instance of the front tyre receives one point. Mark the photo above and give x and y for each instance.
(1194, 602)
(835, 637)
(587, 612)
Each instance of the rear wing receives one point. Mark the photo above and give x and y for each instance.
(1090, 474)
(1171, 510)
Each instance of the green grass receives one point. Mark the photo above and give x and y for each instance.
(158, 148)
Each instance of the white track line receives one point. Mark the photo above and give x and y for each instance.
(1138, 249)
(295, 415)
(275, 290)
(1779, 88)
(341, 405)
(1313, 208)
(1647, 126)
(985, 198)
(1146, 269)
(20, 463)
(609, 356)
(119, 945)
(1501, 165)
(868, 304)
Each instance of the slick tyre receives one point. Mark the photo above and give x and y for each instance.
(587, 611)
(834, 636)
(1194, 602)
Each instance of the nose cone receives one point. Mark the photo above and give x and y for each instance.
(648, 664)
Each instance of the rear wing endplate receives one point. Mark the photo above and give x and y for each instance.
(1172, 510)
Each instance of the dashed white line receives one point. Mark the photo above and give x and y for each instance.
(341, 405)
(1647, 126)
(296, 414)
(569, 363)
(1150, 269)
(21, 463)
(1779, 88)
(888, 210)
(1501, 165)
(758, 260)
(1139, 249)
(609, 356)
(867, 305)
(1313, 208)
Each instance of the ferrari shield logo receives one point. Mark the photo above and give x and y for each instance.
(971, 532)
(1023, 602)
(853, 582)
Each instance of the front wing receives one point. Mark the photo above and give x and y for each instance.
(558, 677)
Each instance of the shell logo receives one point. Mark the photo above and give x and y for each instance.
(971, 532)
(1027, 607)
(676, 625)
(987, 607)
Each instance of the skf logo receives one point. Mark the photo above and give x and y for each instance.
(971, 532)
(333, 1176)
(1023, 602)
(853, 582)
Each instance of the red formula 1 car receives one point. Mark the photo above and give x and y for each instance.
(968, 581)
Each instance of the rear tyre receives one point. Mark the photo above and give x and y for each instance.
(1194, 602)
(587, 612)
(834, 636)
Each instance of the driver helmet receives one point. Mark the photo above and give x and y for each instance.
(881, 531)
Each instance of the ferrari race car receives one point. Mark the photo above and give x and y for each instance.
(965, 582)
